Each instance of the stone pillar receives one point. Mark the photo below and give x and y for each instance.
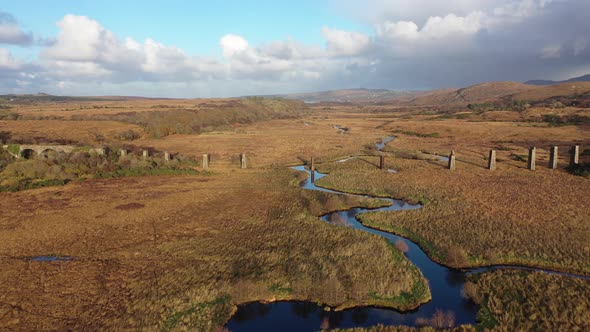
(205, 161)
(492, 160)
(382, 162)
(553, 157)
(575, 155)
(100, 151)
(452, 160)
(146, 154)
(532, 156)
(243, 163)
(123, 153)
(166, 156)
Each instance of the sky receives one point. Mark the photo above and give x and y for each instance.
(200, 49)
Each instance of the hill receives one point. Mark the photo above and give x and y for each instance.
(476, 93)
(585, 78)
(353, 96)
(577, 89)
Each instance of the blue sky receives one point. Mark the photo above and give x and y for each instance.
(194, 26)
(230, 48)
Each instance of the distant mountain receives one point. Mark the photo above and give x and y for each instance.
(585, 78)
(353, 96)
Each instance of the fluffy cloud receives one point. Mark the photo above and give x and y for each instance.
(11, 33)
(345, 43)
(84, 49)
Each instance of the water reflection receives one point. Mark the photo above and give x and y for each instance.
(304, 309)
(252, 311)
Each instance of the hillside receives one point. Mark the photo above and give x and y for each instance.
(353, 96)
(560, 90)
(476, 93)
(584, 78)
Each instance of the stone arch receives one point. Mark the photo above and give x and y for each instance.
(48, 154)
(28, 154)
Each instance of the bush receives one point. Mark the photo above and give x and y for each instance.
(470, 291)
(128, 135)
(457, 256)
(579, 170)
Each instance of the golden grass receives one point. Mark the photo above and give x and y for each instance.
(79, 131)
(511, 215)
(533, 301)
(189, 250)
(180, 252)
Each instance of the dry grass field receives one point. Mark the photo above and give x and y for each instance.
(84, 132)
(175, 252)
(165, 252)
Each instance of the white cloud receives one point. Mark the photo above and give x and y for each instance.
(292, 50)
(450, 26)
(233, 45)
(85, 49)
(345, 43)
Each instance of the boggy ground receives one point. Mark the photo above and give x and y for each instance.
(175, 252)
(474, 217)
(518, 301)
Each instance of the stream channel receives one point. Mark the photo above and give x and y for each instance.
(446, 285)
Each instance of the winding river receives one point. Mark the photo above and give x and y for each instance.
(446, 285)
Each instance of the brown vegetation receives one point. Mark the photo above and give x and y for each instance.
(200, 245)
(181, 251)
(533, 301)
(476, 217)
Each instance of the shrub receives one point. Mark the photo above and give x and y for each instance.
(470, 291)
(579, 170)
(456, 256)
(128, 135)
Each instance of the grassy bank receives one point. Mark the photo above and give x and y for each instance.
(475, 217)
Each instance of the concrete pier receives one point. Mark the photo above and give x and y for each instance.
(243, 163)
(452, 162)
(492, 160)
(575, 155)
(123, 153)
(532, 158)
(166, 156)
(205, 161)
(553, 157)
(146, 154)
